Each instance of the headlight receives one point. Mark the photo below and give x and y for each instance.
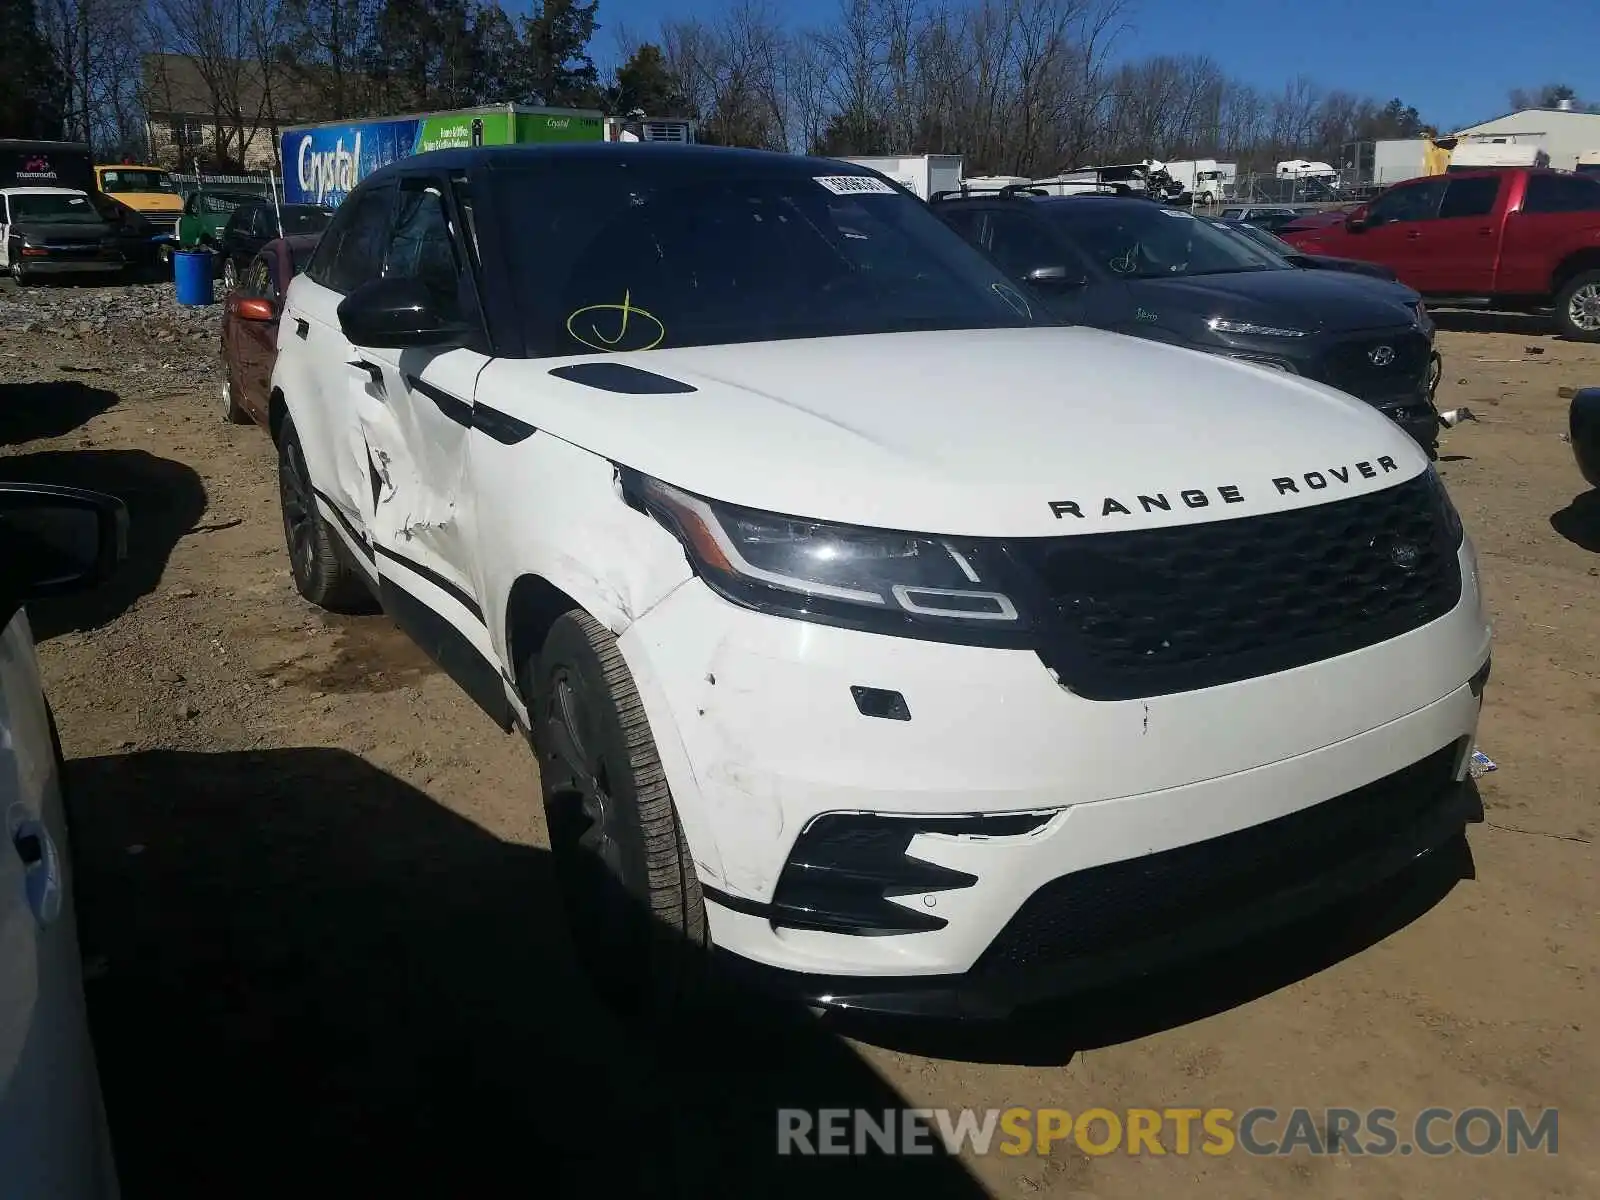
(1266, 360)
(1447, 507)
(899, 583)
(1251, 329)
(1423, 319)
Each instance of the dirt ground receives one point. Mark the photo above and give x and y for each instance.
(324, 950)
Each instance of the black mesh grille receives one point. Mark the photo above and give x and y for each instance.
(1155, 611)
(1106, 909)
(1349, 365)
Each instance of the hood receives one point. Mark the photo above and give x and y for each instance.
(1316, 301)
(1016, 433)
(150, 202)
(66, 231)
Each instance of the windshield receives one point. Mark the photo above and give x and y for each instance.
(1145, 241)
(125, 179)
(62, 209)
(634, 254)
(1256, 236)
(298, 218)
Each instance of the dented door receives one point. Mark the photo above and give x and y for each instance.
(415, 412)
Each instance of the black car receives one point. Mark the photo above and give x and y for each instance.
(1274, 244)
(1585, 419)
(1162, 273)
(252, 226)
(55, 232)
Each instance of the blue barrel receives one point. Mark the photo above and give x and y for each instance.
(191, 272)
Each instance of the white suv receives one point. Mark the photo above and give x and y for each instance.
(909, 648)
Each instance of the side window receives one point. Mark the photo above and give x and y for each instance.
(963, 220)
(422, 248)
(1472, 197)
(351, 252)
(1019, 244)
(1561, 193)
(1413, 202)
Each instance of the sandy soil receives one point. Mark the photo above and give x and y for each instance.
(324, 947)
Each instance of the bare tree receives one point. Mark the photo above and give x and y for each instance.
(232, 47)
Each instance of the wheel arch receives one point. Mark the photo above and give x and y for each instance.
(1579, 261)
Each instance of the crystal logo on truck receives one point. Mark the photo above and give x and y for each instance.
(322, 174)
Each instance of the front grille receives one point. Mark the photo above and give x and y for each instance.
(1108, 908)
(1155, 611)
(1349, 364)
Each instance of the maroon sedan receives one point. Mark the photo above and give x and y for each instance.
(250, 327)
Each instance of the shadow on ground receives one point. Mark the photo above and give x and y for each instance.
(1579, 522)
(1472, 320)
(30, 411)
(308, 976)
(164, 499)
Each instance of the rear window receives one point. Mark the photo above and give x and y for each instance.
(635, 253)
(1561, 193)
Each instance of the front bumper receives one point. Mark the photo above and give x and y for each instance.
(70, 266)
(761, 734)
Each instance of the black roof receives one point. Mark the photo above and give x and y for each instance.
(709, 158)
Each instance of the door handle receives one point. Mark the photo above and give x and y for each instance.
(374, 372)
(301, 328)
(41, 870)
(1413, 235)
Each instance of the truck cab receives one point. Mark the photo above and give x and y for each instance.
(149, 191)
(1520, 239)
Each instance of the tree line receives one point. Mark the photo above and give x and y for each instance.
(1019, 87)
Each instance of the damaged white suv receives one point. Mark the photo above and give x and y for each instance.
(915, 652)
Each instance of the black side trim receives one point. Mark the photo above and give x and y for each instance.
(344, 524)
(438, 581)
(621, 378)
(457, 409)
(444, 643)
(738, 904)
(502, 427)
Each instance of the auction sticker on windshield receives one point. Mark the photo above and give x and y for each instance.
(856, 185)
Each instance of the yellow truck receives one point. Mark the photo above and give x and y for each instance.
(149, 191)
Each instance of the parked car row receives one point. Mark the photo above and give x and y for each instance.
(1167, 275)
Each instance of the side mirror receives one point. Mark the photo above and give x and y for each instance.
(397, 314)
(1054, 278)
(59, 539)
(254, 308)
(1358, 218)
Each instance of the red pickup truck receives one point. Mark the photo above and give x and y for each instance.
(1510, 239)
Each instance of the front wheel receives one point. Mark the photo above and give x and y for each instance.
(320, 571)
(627, 880)
(1578, 307)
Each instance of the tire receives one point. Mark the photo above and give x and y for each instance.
(1578, 307)
(232, 413)
(320, 571)
(632, 898)
(21, 276)
(230, 274)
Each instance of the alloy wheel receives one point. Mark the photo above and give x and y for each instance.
(1584, 308)
(299, 512)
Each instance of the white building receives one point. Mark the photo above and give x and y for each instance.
(1563, 134)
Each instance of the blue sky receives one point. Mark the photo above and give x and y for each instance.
(1454, 59)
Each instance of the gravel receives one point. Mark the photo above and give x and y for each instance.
(137, 332)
